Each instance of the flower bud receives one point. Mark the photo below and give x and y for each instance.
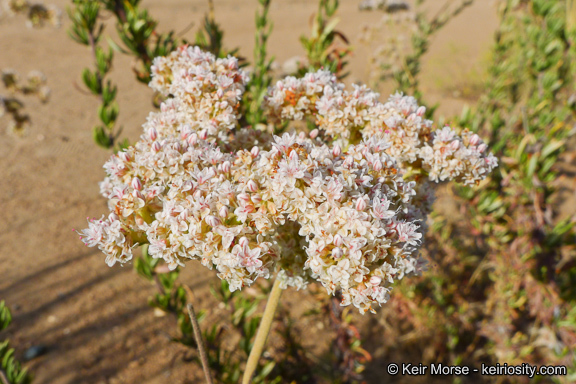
(232, 64)
(302, 135)
(138, 195)
(113, 217)
(256, 199)
(244, 197)
(185, 132)
(474, 139)
(192, 139)
(454, 145)
(482, 147)
(219, 93)
(420, 111)
(124, 156)
(375, 280)
(152, 134)
(336, 151)
(337, 253)
(243, 241)
(377, 165)
(212, 220)
(226, 166)
(156, 147)
(338, 240)
(360, 204)
(255, 151)
(203, 134)
(314, 133)
(252, 186)
(136, 184)
(223, 212)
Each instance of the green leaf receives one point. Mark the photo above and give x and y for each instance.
(101, 138)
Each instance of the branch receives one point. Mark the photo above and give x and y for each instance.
(198, 337)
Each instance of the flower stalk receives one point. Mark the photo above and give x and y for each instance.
(263, 332)
(200, 343)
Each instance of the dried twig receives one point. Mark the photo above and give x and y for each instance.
(3, 378)
(198, 336)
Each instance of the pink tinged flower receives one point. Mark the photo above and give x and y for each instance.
(212, 221)
(186, 131)
(360, 204)
(249, 258)
(375, 280)
(482, 147)
(256, 199)
(156, 147)
(377, 165)
(223, 212)
(252, 186)
(124, 156)
(92, 235)
(243, 242)
(380, 209)
(474, 139)
(455, 145)
(136, 184)
(338, 240)
(226, 166)
(255, 151)
(337, 253)
(205, 175)
(192, 139)
(244, 198)
(314, 133)
(407, 233)
(152, 134)
(336, 151)
(420, 111)
(203, 134)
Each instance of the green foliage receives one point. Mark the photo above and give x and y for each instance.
(321, 47)
(10, 368)
(261, 79)
(87, 30)
(507, 294)
(406, 73)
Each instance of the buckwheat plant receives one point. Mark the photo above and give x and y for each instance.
(344, 205)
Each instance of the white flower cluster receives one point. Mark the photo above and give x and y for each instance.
(351, 115)
(293, 207)
(207, 91)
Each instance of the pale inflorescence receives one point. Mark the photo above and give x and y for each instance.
(343, 211)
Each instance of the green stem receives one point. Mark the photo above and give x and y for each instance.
(263, 332)
(570, 16)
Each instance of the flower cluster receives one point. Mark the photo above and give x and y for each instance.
(400, 121)
(341, 213)
(206, 91)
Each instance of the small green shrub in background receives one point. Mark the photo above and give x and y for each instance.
(506, 294)
(11, 372)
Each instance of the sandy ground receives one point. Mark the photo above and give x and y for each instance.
(94, 320)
